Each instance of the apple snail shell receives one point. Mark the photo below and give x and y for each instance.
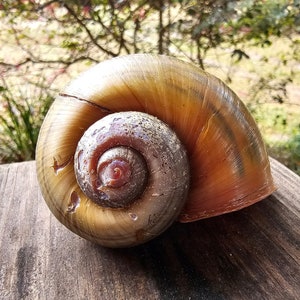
(203, 157)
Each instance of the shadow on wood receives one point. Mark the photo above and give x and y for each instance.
(242, 255)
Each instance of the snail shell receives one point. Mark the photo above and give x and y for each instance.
(213, 146)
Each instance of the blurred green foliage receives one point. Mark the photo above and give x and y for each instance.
(20, 123)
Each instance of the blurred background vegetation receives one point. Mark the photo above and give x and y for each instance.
(252, 45)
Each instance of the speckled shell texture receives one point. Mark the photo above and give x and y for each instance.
(228, 162)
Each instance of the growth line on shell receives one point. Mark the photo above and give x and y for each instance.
(104, 109)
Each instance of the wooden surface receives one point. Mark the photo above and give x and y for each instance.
(250, 254)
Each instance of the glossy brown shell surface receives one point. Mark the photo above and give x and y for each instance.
(228, 162)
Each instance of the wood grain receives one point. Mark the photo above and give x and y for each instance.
(250, 254)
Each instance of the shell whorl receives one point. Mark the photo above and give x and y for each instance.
(229, 165)
(131, 155)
